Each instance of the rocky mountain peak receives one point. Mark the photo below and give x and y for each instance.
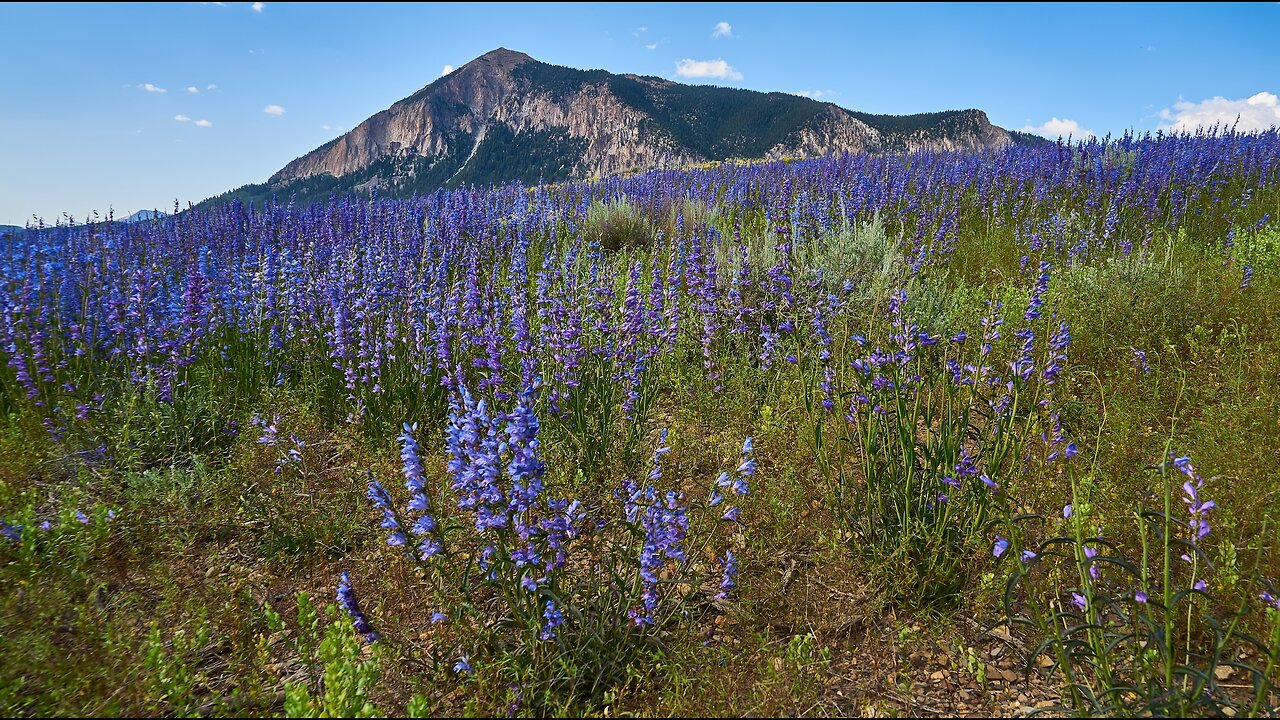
(505, 116)
(502, 57)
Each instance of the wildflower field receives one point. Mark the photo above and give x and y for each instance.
(916, 434)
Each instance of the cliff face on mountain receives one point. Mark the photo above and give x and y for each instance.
(507, 117)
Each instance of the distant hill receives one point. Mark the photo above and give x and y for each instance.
(11, 229)
(507, 117)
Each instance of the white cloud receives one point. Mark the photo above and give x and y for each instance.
(1059, 128)
(203, 123)
(722, 29)
(182, 118)
(446, 70)
(1258, 112)
(718, 69)
(193, 89)
(276, 110)
(339, 128)
(152, 88)
(257, 7)
(197, 123)
(639, 31)
(814, 94)
(211, 88)
(651, 46)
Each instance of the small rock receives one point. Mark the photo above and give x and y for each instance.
(1224, 672)
(938, 676)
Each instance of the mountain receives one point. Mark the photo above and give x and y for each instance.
(145, 215)
(11, 230)
(507, 117)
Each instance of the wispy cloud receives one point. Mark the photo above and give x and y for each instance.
(651, 46)
(717, 69)
(197, 123)
(814, 94)
(258, 6)
(446, 70)
(722, 29)
(276, 110)
(639, 31)
(1257, 112)
(1055, 128)
(211, 88)
(193, 89)
(152, 88)
(339, 128)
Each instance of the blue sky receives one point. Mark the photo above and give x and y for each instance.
(133, 106)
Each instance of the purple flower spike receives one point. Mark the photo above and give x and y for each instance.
(730, 572)
(347, 599)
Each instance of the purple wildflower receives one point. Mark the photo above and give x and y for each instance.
(347, 599)
(1001, 546)
(12, 532)
(1140, 360)
(554, 619)
(730, 572)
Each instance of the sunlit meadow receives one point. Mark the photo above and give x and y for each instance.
(747, 438)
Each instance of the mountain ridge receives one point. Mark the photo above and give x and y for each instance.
(507, 117)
